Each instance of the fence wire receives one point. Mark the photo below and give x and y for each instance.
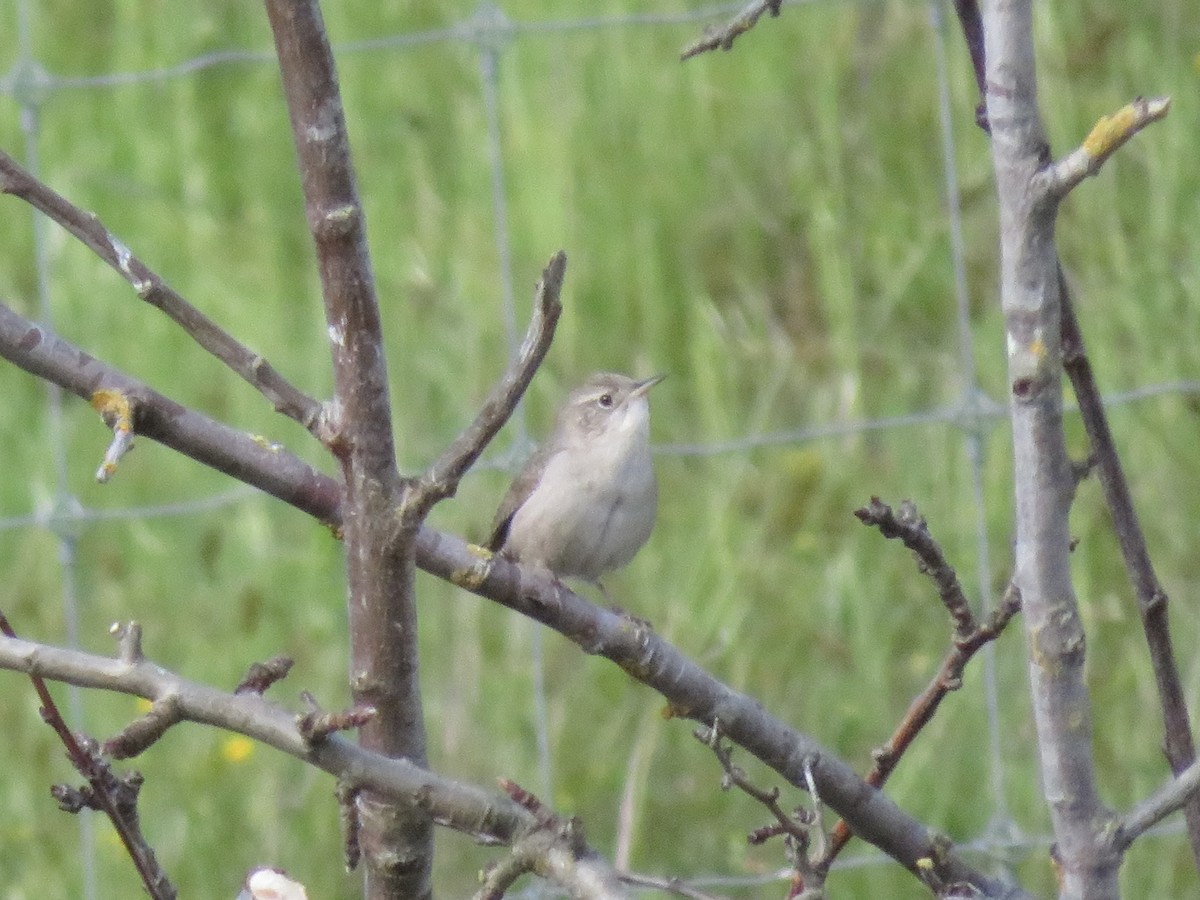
(491, 33)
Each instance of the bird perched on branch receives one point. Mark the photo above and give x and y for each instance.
(585, 502)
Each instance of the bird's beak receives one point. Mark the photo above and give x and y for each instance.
(645, 384)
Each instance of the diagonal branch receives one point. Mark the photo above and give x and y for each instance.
(442, 478)
(1151, 598)
(107, 792)
(262, 464)
(923, 708)
(910, 527)
(93, 233)
(724, 36)
(1178, 793)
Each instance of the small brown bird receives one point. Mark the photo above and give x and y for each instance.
(585, 502)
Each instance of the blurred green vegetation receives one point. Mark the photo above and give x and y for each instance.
(769, 227)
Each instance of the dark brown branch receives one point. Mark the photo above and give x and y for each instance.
(910, 527)
(92, 232)
(115, 796)
(396, 839)
(442, 478)
(923, 708)
(724, 36)
(971, 23)
(1151, 598)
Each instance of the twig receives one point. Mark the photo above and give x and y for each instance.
(910, 527)
(261, 675)
(668, 885)
(921, 711)
(441, 480)
(797, 828)
(92, 232)
(117, 411)
(1151, 597)
(724, 36)
(316, 725)
(555, 848)
(268, 467)
(115, 796)
(139, 734)
(1106, 137)
(1176, 794)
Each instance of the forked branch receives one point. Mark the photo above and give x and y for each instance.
(149, 286)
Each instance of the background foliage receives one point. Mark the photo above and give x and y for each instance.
(769, 227)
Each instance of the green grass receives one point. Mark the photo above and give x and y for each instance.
(768, 227)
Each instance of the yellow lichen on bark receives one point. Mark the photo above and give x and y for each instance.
(114, 407)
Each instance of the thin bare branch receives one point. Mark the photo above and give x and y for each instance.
(1152, 599)
(1174, 795)
(555, 848)
(316, 725)
(253, 460)
(442, 478)
(923, 708)
(115, 796)
(910, 527)
(1106, 137)
(93, 233)
(117, 411)
(971, 22)
(724, 36)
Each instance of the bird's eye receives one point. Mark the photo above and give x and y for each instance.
(606, 400)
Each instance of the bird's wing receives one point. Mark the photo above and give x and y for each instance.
(518, 493)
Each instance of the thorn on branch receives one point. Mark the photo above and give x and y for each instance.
(117, 409)
(261, 675)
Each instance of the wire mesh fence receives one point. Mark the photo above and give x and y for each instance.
(490, 34)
